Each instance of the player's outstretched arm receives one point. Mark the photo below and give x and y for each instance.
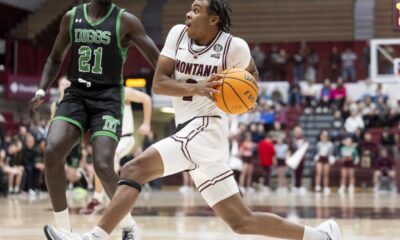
(133, 95)
(134, 30)
(53, 63)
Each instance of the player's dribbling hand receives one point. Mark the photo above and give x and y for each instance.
(34, 103)
(207, 87)
(144, 129)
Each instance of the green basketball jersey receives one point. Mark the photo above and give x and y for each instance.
(96, 52)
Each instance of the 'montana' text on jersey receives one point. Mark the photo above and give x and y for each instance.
(195, 69)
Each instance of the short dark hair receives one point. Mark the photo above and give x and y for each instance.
(223, 9)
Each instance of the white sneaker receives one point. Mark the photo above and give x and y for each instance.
(265, 190)
(302, 191)
(376, 189)
(318, 188)
(327, 191)
(250, 190)
(131, 233)
(331, 229)
(54, 234)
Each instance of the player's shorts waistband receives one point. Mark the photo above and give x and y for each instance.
(91, 85)
(184, 124)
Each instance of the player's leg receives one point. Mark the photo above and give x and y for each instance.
(318, 173)
(343, 176)
(326, 170)
(240, 218)
(351, 179)
(377, 176)
(61, 138)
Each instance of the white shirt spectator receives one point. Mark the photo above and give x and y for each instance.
(348, 58)
(354, 122)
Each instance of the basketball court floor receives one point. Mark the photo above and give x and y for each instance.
(170, 215)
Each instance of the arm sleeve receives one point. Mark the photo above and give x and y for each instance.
(238, 54)
(169, 49)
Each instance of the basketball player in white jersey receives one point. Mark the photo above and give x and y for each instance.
(187, 70)
(126, 143)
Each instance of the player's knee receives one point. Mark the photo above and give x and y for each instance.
(136, 170)
(104, 169)
(242, 225)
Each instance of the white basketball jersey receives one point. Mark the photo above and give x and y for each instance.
(127, 124)
(195, 63)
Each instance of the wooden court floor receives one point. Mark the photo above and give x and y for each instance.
(170, 215)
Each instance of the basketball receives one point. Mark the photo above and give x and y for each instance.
(239, 91)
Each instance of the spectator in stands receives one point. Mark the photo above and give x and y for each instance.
(388, 140)
(294, 94)
(348, 65)
(349, 158)
(13, 167)
(263, 96)
(280, 114)
(274, 63)
(282, 151)
(39, 163)
(246, 151)
(380, 91)
(282, 62)
(339, 94)
(384, 167)
(22, 132)
(383, 109)
(277, 132)
(368, 151)
(296, 142)
(312, 64)
(324, 155)
(267, 117)
(259, 58)
(277, 96)
(334, 64)
(266, 154)
(310, 96)
(337, 122)
(370, 88)
(325, 96)
(298, 65)
(29, 154)
(366, 59)
(354, 121)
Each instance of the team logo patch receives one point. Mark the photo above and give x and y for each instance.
(110, 123)
(218, 48)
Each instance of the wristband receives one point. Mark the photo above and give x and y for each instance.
(40, 92)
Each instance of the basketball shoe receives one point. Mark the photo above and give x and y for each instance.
(331, 229)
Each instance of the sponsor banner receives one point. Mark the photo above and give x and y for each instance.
(21, 87)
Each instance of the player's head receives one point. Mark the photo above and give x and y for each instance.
(384, 152)
(208, 14)
(324, 136)
(348, 141)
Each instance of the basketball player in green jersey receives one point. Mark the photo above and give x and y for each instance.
(98, 35)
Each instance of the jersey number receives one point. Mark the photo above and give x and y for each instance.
(190, 98)
(85, 53)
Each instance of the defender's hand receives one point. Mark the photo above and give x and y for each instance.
(34, 103)
(144, 129)
(207, 87)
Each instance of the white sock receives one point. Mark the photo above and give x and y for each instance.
(99, 233)
(98, 196)
(127, 222)
(62, 219)
(313, 234)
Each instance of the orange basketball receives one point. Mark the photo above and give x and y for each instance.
(239, 91)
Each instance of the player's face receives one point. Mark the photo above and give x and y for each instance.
(199, 21)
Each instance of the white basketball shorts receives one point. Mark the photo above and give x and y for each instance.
(202, 148)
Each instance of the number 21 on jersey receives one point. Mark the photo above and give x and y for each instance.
(85, 53)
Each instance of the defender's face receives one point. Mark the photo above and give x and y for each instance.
(197, 19)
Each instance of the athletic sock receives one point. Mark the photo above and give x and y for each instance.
(62, 219)
(127, 222)
(313, 234)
